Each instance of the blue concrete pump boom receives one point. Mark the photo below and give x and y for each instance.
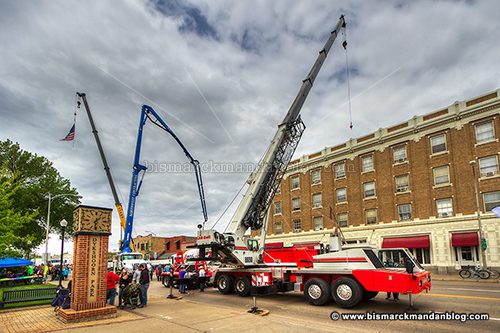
(148, 113)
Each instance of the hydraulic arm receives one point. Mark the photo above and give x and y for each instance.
(233, 245)
(119, 208)
(139, 170)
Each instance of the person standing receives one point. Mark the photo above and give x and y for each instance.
(112, 280)
(125, 279)
(144, 285)
(182, 280)
(202, 275)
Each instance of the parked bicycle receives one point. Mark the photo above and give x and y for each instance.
(494, 274)
(474, 272)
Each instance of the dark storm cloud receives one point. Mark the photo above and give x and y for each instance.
(222, 74)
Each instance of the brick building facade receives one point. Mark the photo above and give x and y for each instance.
(411, 180)
(162, 247)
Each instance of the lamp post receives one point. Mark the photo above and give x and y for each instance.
(478, 212)
(50, 197)
(63, 224)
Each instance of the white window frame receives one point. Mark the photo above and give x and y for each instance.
(295, 223)
(485, 203)
(434, 170)
(364, 190)
(276, 210)
(405, 215)
(367, 167)
(485, 171)
(317, 204)
(402, 187)
(340, 170)
(399, 159)
(337, 194)
(339, 220)
(315, 219)
(366, 216)
(433, 145)
(316, 172)
(449, 208)
(280, 224)
(297, 177)
(488, 139)
(293, 204)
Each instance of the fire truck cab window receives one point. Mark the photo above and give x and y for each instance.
(253, 245)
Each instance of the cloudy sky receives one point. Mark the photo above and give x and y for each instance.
(222, 74)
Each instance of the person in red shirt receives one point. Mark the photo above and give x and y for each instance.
(112, 280)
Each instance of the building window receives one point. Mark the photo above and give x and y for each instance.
(342, 220)
(318, 223)
(367, 163)
(371, 216)
(315, 177)
(369, 189)
(491, 200)
(339, 170)
(297, 225)
(167, 246)
(488, 166)
(441, 175)
(296, 203)
(356, 241)
(277, 208)
(341, 194)
(178, 245)
(295, 182)
(444, 207)
(278, 228)
(438, 143)
(402, 183)
(404, 212)
(316, 200)
(142, 247)
(485, 132)
(399, 154)
(423, 255)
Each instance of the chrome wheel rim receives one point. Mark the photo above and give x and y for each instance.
(314, 291)
(344, 292)
(222, 283)
(240, 285)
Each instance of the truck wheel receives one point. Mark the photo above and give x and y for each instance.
(166, 281)
(369, 294)
(316, 291)
(243, 286)
(346, 292)
(225, 284)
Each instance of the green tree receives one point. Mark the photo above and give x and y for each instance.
(37, 177)
(12, 221)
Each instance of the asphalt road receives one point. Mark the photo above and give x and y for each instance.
(293, 311)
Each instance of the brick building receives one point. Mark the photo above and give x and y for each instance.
(411, 180)
(162, 247)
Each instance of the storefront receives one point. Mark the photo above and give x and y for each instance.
(418, 245)
(465, 246)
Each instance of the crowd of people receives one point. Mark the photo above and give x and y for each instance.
(41, 271)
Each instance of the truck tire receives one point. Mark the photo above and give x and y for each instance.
(346, 292)
(166, 281)
(316, 291)
(225, 284)
(243, 286)
(369, 294)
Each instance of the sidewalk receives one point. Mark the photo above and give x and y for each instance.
(456, 278)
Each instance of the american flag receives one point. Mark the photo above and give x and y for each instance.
(71, 134)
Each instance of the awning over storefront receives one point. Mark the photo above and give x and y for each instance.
(421, 242)
(465, 239)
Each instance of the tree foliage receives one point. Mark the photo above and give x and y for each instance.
(35, 177)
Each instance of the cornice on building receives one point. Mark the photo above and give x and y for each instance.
(454, 116)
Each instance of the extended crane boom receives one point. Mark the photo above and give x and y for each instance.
(148, 113)
(234, 246)
(118, 204)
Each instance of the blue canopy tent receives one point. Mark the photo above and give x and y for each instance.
(12, 262)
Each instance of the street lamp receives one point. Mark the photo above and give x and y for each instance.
(50, 197)
(478, 211)
(63, 224)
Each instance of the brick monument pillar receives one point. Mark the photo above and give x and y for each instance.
(92, 227)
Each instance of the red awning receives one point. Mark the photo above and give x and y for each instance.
(421, 242)
(465, 239)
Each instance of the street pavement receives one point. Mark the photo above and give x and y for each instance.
(214, 312)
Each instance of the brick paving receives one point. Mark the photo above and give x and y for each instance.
(43, 319)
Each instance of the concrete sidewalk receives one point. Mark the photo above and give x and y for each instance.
(438, 277)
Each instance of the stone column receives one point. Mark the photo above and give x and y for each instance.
(92, 227)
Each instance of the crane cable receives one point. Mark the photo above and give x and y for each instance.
(344, 45)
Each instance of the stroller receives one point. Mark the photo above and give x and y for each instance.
(130, 295)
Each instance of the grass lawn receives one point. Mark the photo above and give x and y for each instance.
(23, 304)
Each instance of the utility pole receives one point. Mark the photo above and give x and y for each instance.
(478, 211)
